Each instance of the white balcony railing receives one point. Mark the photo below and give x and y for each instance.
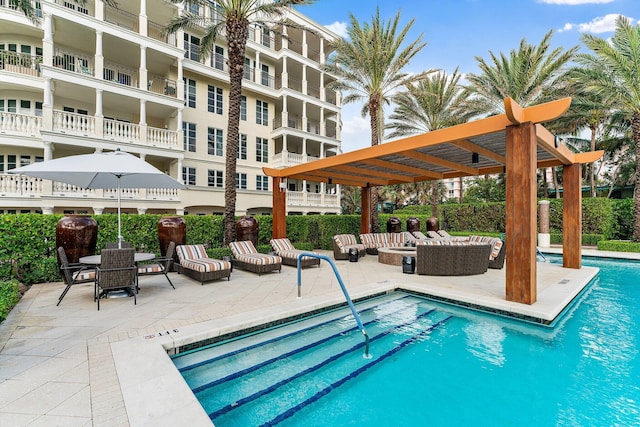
(20, 124)
(19, 186)
(303, 198)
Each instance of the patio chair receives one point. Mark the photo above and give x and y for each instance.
(248, 258)
(73, 274)
(289, 254)
(159, 265)
(114, 245)
(195, 263)
(117, 270)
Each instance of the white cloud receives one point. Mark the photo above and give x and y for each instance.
(340, 28)
(601, 24)
(576, 2)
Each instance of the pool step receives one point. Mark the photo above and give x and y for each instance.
(321, 358)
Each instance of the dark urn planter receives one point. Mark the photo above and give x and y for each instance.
(394, 225)
(171, 229)
(432, 224)
(247, 229)
(78, 235)
(413, 224)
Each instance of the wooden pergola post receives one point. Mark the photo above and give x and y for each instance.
(572, 216)
(279, 210)
(365, 210)
(521, 274)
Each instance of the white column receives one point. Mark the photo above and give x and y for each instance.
(97, 210)
(99, 112)
(322, 57)
(143, 30)
(304, 79)
(304, 43)
(99, 58)
(47, 150)
(142, 211)
(258, 71)
(47, 41)
(47, 210)
(142, 84)
(99, 129)
(180, 175)
(47, 105)
(143, 112)
(179, 82)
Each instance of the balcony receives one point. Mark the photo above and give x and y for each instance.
(27, 187)
(20, 63)
(285, 159)
(83, 125)
(312, 126)
(303, 198)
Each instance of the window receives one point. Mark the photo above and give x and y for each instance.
(262, 183)
(214, 141)
(191, 47)
(247, 69)
(38, 109)
(262, 150)
(215, 179)
(25, 106)
(2, 163)
(189, 176)
(243, 108)
(11, 162)
(242, 147)
(25, 160)
(217, 61)
(12, 106)
(189, 135)
(262, 113)
(265, 75)
(241, 181)
(266, 37)
(192, 7)
(190, 93)
(214, 99)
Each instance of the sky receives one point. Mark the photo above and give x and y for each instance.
(458, 31)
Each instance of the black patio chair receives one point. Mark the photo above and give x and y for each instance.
(73, 273)
(159, 265)
(117, 270)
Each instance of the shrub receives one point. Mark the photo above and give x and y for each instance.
(618, 246)
(9, 296)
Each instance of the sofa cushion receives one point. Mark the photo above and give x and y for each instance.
(205, 265)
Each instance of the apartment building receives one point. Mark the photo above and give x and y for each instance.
(96, 78)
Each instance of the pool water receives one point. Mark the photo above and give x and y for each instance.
(434, 364)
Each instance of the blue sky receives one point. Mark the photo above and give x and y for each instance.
(456, 31)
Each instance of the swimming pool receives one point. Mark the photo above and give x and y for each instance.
(434, 364)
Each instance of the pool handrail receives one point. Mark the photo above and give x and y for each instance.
(344, 291)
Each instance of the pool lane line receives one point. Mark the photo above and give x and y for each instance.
(291, 411)
(281, 337)
(252, 368)
(229, 407)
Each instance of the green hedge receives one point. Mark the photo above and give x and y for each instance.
(9, 296)
(618, 246)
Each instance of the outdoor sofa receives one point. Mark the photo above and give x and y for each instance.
(342, 243)
(451, 258)
(373, 241)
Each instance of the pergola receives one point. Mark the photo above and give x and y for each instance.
(515, 143)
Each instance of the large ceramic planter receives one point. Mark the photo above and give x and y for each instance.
(247, 229)
(171, 229)
(433, 224)
(413, 224)
(394, 225)
(78, 235)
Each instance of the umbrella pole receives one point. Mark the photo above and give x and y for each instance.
(119, 225)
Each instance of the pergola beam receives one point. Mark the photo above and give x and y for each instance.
(413, 154)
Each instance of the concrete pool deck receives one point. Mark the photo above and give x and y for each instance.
(73, 365)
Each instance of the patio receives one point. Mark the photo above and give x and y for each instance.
(73, 365)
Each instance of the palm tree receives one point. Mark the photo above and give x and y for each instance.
(233, 18)
(369, 67)
(433, 103)
(530, 75)
(612, 72)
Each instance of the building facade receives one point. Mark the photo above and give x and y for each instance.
(95, 78)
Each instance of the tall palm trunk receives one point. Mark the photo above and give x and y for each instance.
(376, 128)
(635, 132)
(555, 182)
(237, 33)
(434, 198)
(592, 166)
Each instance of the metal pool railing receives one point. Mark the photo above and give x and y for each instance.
(356, 316)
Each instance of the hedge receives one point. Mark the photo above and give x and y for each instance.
(618, 246)
(9, 296)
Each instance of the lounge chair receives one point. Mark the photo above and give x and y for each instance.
(159, 265)
(117, 270)
(73, 274)
(195, 263)
(285, 250)
(248, 258)
(343, 242)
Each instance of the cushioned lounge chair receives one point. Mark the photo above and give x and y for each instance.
(285, 250)
(248, 258)
(195, 263)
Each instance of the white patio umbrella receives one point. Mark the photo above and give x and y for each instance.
(115, 169)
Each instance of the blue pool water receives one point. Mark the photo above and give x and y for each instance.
(435, 364)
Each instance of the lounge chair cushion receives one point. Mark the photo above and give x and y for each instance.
(285, 249)
(245, 251)
(495, 242)
(150, 268)
(191, 252)
(205, 265)
(84, 275)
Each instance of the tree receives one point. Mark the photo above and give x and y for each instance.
(369, 67)
(350, 199)
(611, 71)
(433, 103)
(486, 189)
(233, 18)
